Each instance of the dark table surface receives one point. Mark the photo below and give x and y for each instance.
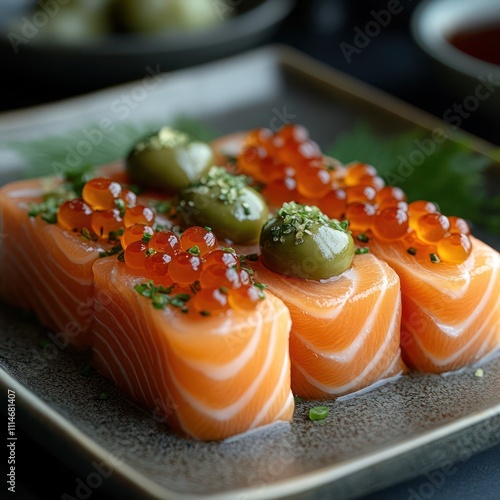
(391, 62)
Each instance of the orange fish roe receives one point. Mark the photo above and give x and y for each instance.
(199, 237)
(128, 197)
(100, 210)
(292, 168)
(191, 271)
(135, 255)
(74, 215)
(165, 242)
(101, 193)
(139, 214)
(106, 221)
(136, 232)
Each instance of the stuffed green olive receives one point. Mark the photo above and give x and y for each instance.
(226, 204)
(168, 160)
(303, 242)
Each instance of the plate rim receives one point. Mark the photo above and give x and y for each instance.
(308, 481)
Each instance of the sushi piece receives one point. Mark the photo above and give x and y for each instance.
(449, 280)
(345, 308)
(451, 312)
(214, 361)
(46, 268)
(345, 331)
(50, 245)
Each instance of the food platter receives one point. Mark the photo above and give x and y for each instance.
(369, 441)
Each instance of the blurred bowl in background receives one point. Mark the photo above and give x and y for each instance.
(440, 27)
(117, 57)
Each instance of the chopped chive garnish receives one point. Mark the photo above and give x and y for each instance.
(223, 290)
(150, 251)
(260, 286)
(412, 251)
(318, 413)
(112, 251)
(363, 238)
(195, 250)
(434, 258)
(362, 251)
(209, 229)
(205, 313)
(86, 234)
(146, 237)
(121, 256)
(114, 235)
(297, 399)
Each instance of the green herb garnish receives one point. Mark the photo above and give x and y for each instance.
(362, 251)
(412, 251)
(363, 238)
(161, 296)
(299, 219)
(318, 413)
(112, 251)
(434, 258)
(114, 235)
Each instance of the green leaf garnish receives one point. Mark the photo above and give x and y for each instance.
(451, 174)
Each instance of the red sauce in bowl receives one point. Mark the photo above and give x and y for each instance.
(481, 42)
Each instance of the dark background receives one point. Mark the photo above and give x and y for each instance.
(392, 62)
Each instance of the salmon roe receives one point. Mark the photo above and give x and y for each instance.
(106, 221)
(136, 232)
(165, 242)
(101, 193)
(99, 210)
(74, 215)
(139, 214)
(191, 266)
(198, 237)
(454, 248)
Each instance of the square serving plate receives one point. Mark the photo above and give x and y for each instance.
(393, 433)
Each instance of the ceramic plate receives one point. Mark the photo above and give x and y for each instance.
(369, 441)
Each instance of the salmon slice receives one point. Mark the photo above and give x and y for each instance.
(45, 268)
(345, 330)
(451, 312)
(210, 377)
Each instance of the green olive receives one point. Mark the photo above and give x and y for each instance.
(168, 160)
(226, 204)
(305, 244)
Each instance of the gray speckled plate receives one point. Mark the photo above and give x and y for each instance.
(369, 441)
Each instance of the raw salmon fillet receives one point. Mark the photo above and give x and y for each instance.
(46, 269)
(345, 331)
(451, 312)
(210, 377)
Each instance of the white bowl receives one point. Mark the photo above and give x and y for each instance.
(433, 22)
